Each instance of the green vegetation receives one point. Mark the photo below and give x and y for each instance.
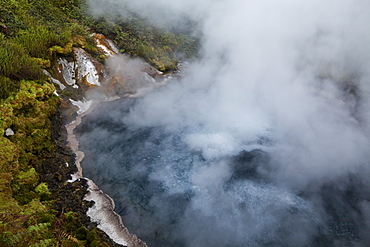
(37, 206)
(26, 218)
(136, 36)
(32, 36)
(34, 33)
(27, 213)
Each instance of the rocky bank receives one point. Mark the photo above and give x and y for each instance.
(82, 82)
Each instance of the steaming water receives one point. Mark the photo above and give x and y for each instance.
(264, 142)
(171, 195)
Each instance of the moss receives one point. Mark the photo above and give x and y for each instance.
(66, 50)
(94, 243)
(81, 233)
(71, 220)
(7, 86)
(30, 94)
(8, 205)
(23, 186)
(43, 63)
(9, 154)
(69, 216)
(91, 236)
(33, 207)
(29, 177)
(47, 217)
(43, 192)
(6, 114)
(42, 188)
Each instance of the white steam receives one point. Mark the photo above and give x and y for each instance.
(294, 73)
(282, 69)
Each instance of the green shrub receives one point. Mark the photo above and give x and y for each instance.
(9, 154)
(91, 236)
(36, 40)
(46, 217)
(139, 38)
(81, 233)
(23, 186)
(16, 64)
(42, 189)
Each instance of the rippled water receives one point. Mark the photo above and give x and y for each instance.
(170, 195)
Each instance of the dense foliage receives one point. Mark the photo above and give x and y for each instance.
(135, 36)
(27, 213)
(31, 34)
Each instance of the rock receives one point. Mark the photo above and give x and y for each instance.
(80, 76)
(9, 132)
(104, 45)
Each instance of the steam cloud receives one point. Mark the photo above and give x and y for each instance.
(285, 82)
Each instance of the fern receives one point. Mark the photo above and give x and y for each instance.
(43, 243)
(19, 237)
(38, 228)
(68, 236)
(12, 239)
